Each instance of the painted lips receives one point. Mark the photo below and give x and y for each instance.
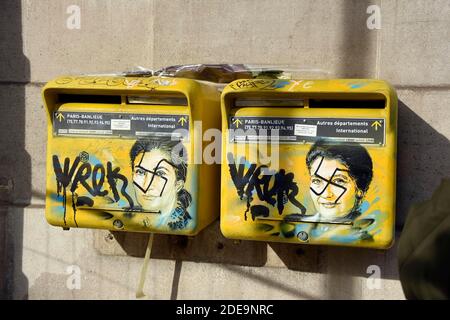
(150, 198)
(329, 205)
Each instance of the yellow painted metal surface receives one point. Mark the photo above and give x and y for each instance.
(113, 163)
(332, 177)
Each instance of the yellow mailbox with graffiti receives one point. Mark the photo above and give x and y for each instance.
(121, 154)
(309, 161)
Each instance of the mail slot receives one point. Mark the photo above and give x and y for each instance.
(120, 154)
(309, 161)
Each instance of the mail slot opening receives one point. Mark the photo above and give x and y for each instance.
(269, 102)
(176, 100)
(298, 218)
(88, 98)
(346, 103)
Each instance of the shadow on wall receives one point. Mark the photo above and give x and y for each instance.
(358, 43)
(208, 246)
(15, 162)
(423, 155)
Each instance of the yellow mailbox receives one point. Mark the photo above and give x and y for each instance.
(309, 161)
(121, 154)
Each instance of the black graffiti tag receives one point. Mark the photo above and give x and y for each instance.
(283, 190)
(63, 178)
(237, 175)
(75, 175)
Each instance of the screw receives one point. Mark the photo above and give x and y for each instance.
(118, 224)
(302, 236)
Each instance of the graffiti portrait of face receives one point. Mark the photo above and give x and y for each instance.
(155, 183)
(333, 190)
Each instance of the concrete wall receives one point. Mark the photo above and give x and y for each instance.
(327, 37)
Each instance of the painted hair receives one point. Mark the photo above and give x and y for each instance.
(354, 156)
(177, 156)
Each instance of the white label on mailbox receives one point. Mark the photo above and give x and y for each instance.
(305, 130)
(120, 124)
(123, 125)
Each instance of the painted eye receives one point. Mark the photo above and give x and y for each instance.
(316, 181)
(160, 173)
(339, 181)
(139, 172)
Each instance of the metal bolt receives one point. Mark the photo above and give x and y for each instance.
(302, 236)
(118, 224)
